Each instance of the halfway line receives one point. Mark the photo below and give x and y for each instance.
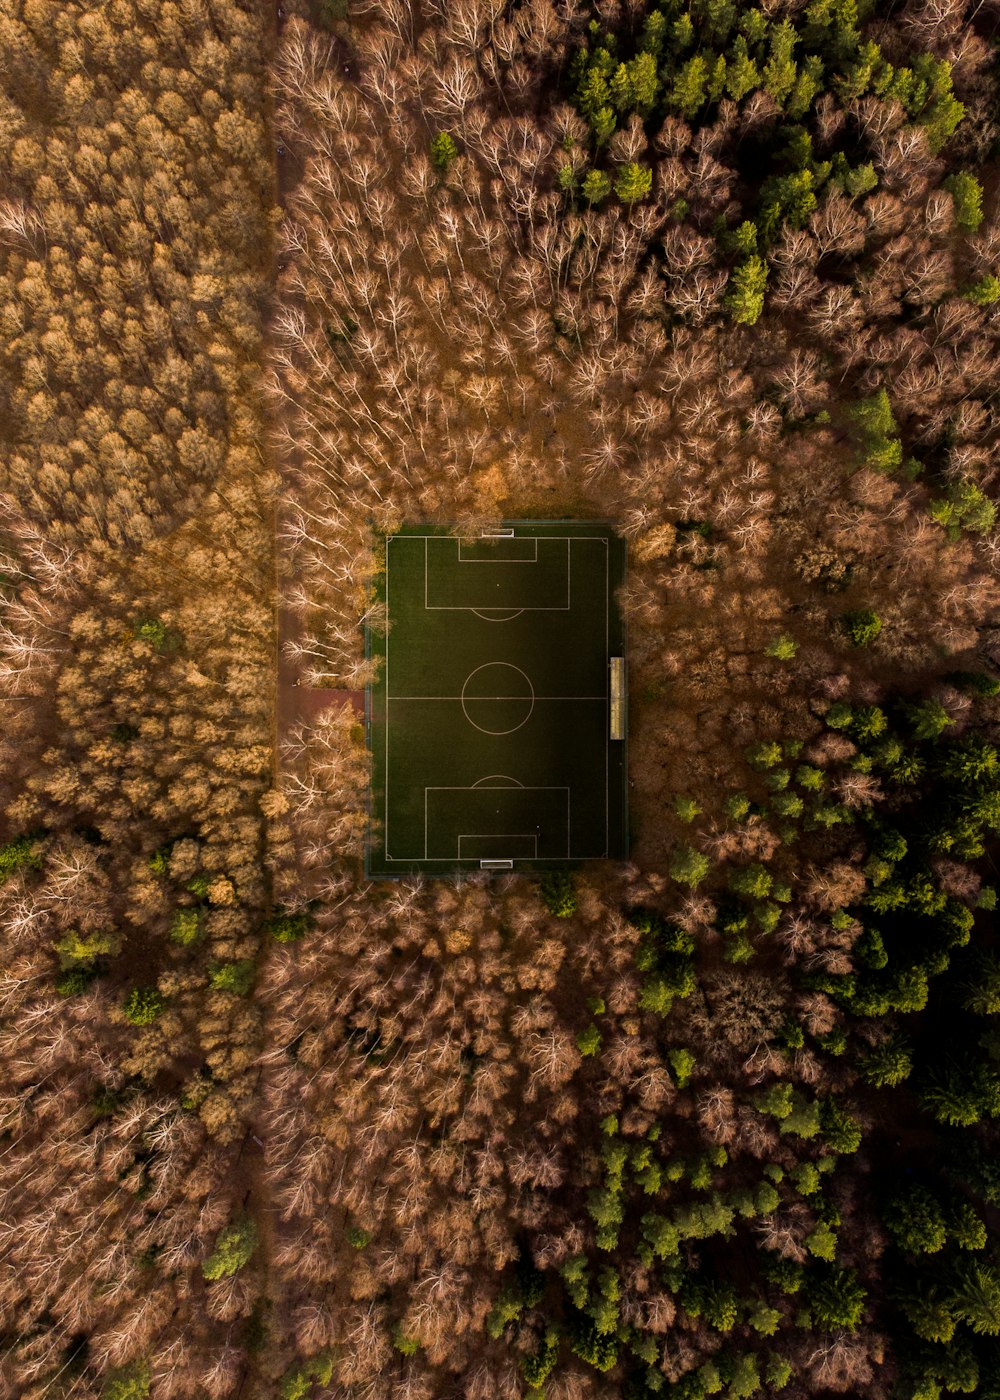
(469, 699)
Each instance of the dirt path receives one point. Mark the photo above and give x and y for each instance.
(293, 703)
(249, 1166)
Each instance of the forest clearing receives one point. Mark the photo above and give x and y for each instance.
(491, 741)
(710, 1111)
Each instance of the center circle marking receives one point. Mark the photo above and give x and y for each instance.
(498, 692)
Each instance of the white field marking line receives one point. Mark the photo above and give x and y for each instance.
(497, 836)
(607, 644)
(441, 607)
(520, 537)
(496, 561)
(385, 827)
(498, 733)
(508, 666)
(438, 607)
(606, 697)
(466, 787)
(497, 697)
(450, 860)
(459, 788)
(607, 717)
(530, 696)
(509, 617)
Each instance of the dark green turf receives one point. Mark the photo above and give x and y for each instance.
(488, 725)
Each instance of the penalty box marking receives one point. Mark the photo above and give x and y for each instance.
(496, 787)
(521, 539)
(468, 607)
(499, 836)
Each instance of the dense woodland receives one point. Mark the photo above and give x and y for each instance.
(718, 1121)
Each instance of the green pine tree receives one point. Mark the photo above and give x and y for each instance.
(233, 1249)
(861, 626)
(690, 87)
(985, 292)
(836, 1299)
(588, 1042)
(875, 432)
(688, 866)
(975, 1297)
(780, 72)
(964, 507)
(742, 73)
(596, 186)
(888, 1064)
(927, 1311)
(128, 1383)
(915, 1221)
(443, 152)
(633, 182)
(745, 295)
(143, 1005)
(967, 197)
(928, 719)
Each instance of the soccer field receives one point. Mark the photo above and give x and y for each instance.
(491, 724)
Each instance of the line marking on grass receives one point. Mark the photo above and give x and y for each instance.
(602, 698)
(476, 787)
(498, 836)
(428, 650)
(444, 607)
(524, 539)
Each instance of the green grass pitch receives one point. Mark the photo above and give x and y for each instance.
(490, 721)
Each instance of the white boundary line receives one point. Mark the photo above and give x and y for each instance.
(533, 539)
(446, 860)
(497, 787)
(464, 787)
(438, 607)
(607, 699)
(497, 836)
(607, 713)
(497, 697)
(388, 808)
(520, 537)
